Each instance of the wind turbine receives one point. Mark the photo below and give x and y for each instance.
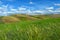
(30, 3)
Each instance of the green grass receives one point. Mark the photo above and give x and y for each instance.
(48, 29)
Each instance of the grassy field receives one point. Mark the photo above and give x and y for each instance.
(45, 29)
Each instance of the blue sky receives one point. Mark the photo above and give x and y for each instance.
(31, 6)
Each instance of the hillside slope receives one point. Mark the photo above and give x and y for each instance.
(22, 17)
(48, 29)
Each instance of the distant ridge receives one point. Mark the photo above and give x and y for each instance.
(23, 17)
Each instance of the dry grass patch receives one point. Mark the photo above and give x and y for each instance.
(9, 19)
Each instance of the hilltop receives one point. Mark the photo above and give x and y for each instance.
(23, 17)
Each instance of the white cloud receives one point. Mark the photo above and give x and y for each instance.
(8, 9)
(22, 8)
(38, 11)
(57, 10)
(50, 8)
(13, 10)
(30, 2)
(3, 10)
(57, 4)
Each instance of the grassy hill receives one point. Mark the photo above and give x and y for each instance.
(28, 27)
(22, 17)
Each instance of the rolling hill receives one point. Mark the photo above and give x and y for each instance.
(30, 27)
(22, 17)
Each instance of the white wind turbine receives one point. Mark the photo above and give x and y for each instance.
(30, 3)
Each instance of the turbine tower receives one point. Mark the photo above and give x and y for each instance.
(30, 3)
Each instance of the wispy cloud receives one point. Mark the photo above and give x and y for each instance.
(8, 9)
(22, 8)
(31, 3)
(57, 4)
(49, 8)
(38, 11)
(3, 10)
